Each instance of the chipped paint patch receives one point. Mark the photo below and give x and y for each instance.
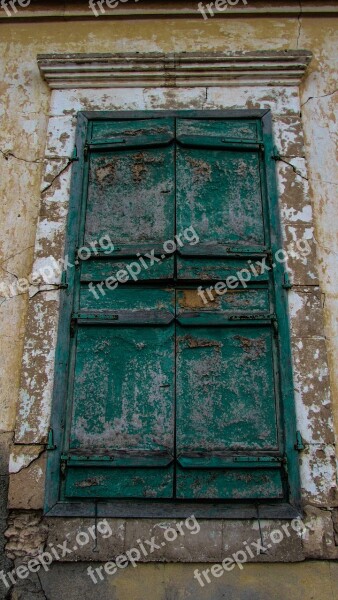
(22, 456)
(318, 473)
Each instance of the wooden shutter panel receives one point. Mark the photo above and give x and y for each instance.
(120, 441)
(228, 444)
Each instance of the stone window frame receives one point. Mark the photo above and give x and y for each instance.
(266, 80)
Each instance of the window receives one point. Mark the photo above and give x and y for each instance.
(172, 386)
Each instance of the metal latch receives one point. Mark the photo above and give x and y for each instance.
(276, 156)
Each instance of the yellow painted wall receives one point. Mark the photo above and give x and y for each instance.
(309, 581)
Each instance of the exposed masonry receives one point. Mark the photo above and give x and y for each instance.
(28, 532)
(26, 535)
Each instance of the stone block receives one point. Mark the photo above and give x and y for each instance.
(176, 541)
(319, 540)
(26, 535)
(27, 487)
(83, 541)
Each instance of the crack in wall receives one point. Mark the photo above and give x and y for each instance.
(10, 154)
(14, 295)
(9, 272)
(318, 97)
(323, 299)
(281, 158)
(16, 254)
(294, 168)
(206, 98)
(7, 154)
(54, 288)
(10, 298)
(70, 161)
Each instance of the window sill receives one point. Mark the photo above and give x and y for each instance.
(177, 510)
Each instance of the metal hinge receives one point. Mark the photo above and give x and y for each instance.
(276, 155)
(85, 151)
(74, 155)
(64, 283)
(299, 445)
(50, 440)
(287, 285)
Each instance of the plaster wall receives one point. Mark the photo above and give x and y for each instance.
(26, 110)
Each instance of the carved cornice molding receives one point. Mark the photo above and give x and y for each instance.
(285, 68)
(71, 10)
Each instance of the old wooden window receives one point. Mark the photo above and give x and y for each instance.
(159, 395)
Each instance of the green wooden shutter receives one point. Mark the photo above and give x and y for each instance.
(168, 397)
(121, 436)
(227, 389)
